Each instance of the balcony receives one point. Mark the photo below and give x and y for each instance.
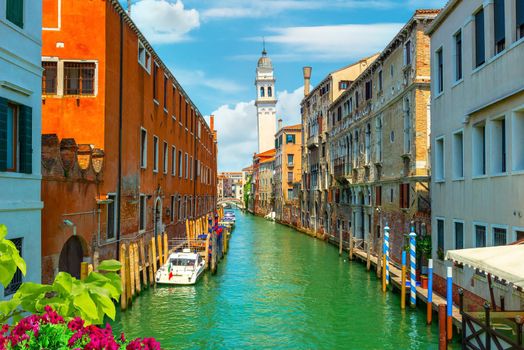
(312, 142)
(290, 165)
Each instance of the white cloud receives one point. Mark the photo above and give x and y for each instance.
(332, 43)
(164, 21)
(237, 128)
(200, 78)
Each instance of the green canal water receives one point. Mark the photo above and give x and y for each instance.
(281, 289)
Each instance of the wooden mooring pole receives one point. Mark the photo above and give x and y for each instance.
(442, 338)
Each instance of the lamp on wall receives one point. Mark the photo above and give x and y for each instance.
(69, 223)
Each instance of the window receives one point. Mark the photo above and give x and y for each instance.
(180, 164)
(172, 211)
(290, 176)
(458, 155)
(380, 81)
(191, 166)
(517, 130)
(356, 99)
(439, 159)
(143, 148)
(166, 157)
(367, 144)
(262, 94)
(500, 26)
(269, 91)
(173, 94)
(458, 55)
(440, 71)
(16, 150)
(49, 75)
(16, 282)
(155, 154)
(378, 127)
(290, 159)
(369, 90)
(186, 162)
(407, 126)
(440, 236)
(480, 53)
(480, 236)
(498, 146)
(343, 85)
(173, 160)
(165, 92)
(350, 105)
(144, 57)
(180, 208)
(290, 194)
(404, 196)
(479, 149)
(155, 82)
(378, 195)
(520, 19)
(142, 212)
(500, 236)
(407, 53)
(459, 235)
(111, 216)
(290, 138)
(15, 12)
(79, 78)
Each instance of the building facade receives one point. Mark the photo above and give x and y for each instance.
(314, 109)
(262, 183)
(265, 103)
(116, 94)
(20, 125)
(477, 121)
(288, 170)
(380, 143)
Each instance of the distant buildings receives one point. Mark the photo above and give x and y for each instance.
(477, 135)
(20, 126)
(231, 185)
(262, 201)
(115, 95)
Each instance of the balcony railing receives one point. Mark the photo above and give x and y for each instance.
(312, 142)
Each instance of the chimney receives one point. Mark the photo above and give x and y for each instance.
(212, 122)
(280, 124)
(307, 77)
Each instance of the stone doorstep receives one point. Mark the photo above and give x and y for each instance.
(422, 294)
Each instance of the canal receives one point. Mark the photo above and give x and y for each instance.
(278, 288)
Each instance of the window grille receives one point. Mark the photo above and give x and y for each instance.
(49, 76)
(79, 78)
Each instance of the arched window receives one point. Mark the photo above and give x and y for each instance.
(407, 126)
(368, 143)
(261, 91)
(269, 91)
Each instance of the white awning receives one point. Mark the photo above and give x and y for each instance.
(503, 262)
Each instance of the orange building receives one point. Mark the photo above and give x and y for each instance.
(103, 85)
(261, 192)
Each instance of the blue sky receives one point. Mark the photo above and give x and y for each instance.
(212, 47)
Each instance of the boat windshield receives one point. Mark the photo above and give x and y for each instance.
(182, 262)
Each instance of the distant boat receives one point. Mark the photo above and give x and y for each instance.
(271, 216)
(182, 268)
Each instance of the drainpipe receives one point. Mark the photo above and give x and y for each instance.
(120, 104)
(194, 170)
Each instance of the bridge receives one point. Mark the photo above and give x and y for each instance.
(231, 201)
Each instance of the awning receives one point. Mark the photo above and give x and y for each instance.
(503, 262)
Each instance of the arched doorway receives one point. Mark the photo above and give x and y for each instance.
(157, 216)
(71, 256)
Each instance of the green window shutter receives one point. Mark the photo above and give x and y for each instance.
(3, 134)
(25, 135)
(15, 12)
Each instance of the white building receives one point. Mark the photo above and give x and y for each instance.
(20, 127)
(477, 134)
(266, 103)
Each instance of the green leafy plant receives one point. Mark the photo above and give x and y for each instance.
(424, 246)
(92, 299)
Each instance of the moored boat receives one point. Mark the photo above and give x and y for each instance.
(182, 268)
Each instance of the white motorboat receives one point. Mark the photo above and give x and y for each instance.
(181, 268)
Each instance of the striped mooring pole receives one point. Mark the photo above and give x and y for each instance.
(413, 267)
(449, 301)
(386, 251)
(430, 292)
(403, 282)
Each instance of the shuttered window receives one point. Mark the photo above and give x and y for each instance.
(16, 147)
(15, 12)
(479, 39)
(404, 196)
(500, 26)
(378, 195)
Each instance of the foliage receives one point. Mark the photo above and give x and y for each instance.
(10, 258)
(51, 331)
(92, 299)
(424, 246)
(247, 191)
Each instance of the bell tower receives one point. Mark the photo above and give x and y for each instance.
(265, 103)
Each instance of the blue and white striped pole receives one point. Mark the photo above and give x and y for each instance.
(449, 301)
(413, 266)
(430, 292)
(386, 251)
